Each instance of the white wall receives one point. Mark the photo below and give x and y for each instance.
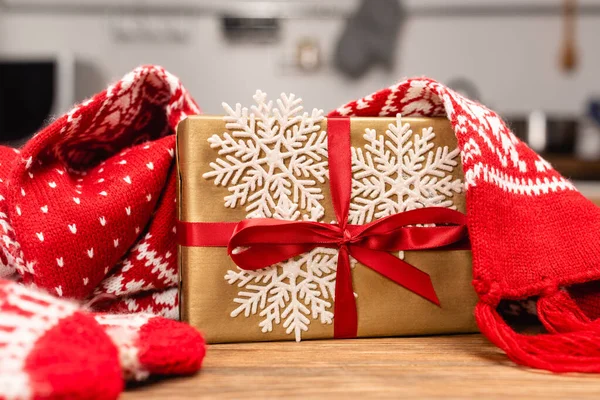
(513, 61)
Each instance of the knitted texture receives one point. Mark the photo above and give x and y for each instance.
(88, 204)
(10, 250)
(153, 345)
(532, 233)
(49, 349)
(87, 212)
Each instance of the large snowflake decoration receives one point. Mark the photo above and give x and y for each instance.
(271, 162)
(272, 158)
(399, 172)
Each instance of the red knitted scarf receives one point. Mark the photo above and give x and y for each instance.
(87, 211)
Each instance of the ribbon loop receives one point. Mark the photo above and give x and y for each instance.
(266, 242)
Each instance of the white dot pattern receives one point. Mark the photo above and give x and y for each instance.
(95, 217)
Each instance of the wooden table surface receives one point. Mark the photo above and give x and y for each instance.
(459, 367)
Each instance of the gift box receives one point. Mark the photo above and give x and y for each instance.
(262, 254)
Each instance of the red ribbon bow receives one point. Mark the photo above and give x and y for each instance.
(258, 243)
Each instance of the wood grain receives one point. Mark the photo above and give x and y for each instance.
(449, 367)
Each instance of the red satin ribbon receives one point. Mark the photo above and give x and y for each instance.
(258, 243)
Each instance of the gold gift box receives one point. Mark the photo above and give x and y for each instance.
(230, 305)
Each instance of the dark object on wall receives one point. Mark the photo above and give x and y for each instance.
(26, 98)
(369, 37)
(250, 29)
(594, 111)
(33, 88)
(568, 55)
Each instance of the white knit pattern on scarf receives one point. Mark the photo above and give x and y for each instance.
(34, 314)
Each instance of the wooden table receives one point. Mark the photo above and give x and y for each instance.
(449, 367)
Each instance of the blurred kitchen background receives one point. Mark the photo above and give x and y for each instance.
(537, 62)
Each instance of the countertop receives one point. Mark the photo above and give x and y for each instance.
(449, 367)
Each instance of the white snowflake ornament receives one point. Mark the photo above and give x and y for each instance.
(397, 173)
(273, 158)
(292, 292)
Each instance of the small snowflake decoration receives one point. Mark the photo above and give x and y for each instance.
(271, 162)
(396, 174)
(273, 159)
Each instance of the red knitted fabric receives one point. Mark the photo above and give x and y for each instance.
(87, 211)
(88, 203)
(532, 233)
(153, 345)
(50, 348)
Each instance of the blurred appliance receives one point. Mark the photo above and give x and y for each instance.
(588, 146)
(555, 135)
(32, 89)
(250, 29)
(570, 143)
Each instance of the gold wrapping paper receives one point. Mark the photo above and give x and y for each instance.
(384, 308)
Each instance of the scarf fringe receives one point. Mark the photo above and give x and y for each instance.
(572, 346)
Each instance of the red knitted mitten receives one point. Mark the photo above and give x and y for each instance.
(50, 349)
(153, 345)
